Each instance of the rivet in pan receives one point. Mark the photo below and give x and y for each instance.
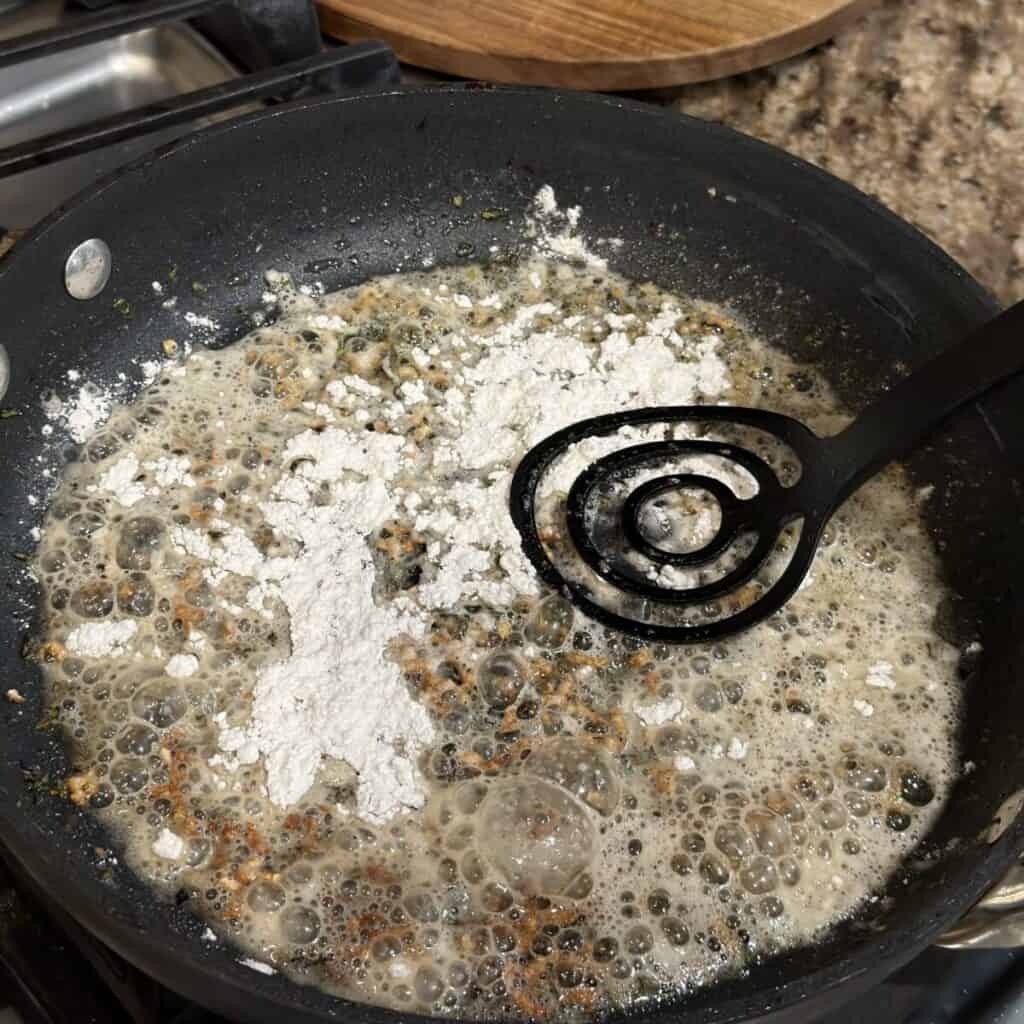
(87, 270)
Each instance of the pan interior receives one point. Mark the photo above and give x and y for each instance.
(821, 274)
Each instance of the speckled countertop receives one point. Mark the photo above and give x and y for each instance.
(921, 104)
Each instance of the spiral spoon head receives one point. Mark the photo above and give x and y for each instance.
(601, 552)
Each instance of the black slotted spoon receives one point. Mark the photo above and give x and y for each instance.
(832, 468)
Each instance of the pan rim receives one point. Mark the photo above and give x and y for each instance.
(558, 97)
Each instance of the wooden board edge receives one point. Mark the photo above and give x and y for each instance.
(597, 76)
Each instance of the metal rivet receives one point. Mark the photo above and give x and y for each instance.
(5, 372)
(87, 270)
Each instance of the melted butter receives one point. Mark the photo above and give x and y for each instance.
(606, 822)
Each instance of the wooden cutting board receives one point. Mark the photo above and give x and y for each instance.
(591, 44)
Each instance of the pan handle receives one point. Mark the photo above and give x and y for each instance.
(996, 921)
(361, 65)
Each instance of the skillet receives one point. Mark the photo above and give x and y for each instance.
(340, 189)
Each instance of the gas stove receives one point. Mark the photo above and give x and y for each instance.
(84, 92)
(94, 92)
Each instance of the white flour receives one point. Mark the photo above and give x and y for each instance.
(120, 481)
(339, 694)
(181, 666)
(479, 533)
(660, 712)
(556, 230)
(234, 741)
(737, 749)
(89, 411)
(171, 471)
(83, 414)
(257, 965)
(880, 676)
(192, 542)
(122, 478)
(101, 639)
(205, 322)
(533, 383)
(168, 845)
(865, 708)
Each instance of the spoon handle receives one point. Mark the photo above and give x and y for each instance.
(898, 421)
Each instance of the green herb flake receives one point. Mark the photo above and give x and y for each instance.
(39, 784)
(50, 720)
(493, 213)
(457, 201)
(9, 414)
(198, 288)
(123, 306)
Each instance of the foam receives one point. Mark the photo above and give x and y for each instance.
(722, 801)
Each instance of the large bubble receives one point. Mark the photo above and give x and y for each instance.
(586, 772)
(535, 834)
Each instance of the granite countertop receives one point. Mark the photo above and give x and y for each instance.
(920, 104)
